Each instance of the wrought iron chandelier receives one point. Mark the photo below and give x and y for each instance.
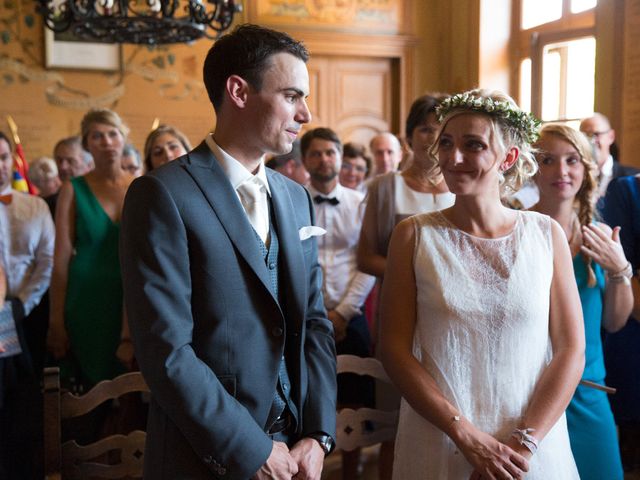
(148, 22)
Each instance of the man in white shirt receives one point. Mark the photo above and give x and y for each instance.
(222, 284)
(339, 211)
(26, 253)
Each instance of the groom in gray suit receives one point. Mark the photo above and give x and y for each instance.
(223, 287)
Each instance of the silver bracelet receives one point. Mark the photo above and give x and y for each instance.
(524, 437)
(623, 276)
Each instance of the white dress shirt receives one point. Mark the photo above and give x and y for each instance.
(606, 175)
(344, 287)
(27, 237)
(238, 174)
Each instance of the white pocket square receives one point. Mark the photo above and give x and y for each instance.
(310, 231)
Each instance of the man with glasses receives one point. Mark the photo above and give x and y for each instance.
(598, 129)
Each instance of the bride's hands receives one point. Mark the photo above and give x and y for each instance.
(494, 460)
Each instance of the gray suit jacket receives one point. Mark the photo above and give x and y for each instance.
(208, 331)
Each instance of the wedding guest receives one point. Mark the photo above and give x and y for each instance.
(567, 181)
(43, 172)
(621, 352)
(131, 161)
(481, 323)
(164, 144)
(26, 257)
(339, 212)
(72, 159)
(355, 168)
(387, 152)
(87, 332)
(290, 165)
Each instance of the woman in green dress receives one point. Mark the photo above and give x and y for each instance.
(87, 329)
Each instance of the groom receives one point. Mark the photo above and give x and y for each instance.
(223, 287)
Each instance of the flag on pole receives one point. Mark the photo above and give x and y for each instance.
(21, 181)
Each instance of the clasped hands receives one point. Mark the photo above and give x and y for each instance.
(492, 459)
(303, 462)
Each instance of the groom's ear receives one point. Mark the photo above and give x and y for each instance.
(237, 89)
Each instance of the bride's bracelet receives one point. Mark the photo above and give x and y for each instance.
(623, 276)
(524, 437)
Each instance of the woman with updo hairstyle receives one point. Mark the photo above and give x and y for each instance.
(481, 323)
(164, 144)
(568, 189)
(87, 332)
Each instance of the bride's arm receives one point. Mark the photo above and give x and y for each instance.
(398, 312)
(566, 328)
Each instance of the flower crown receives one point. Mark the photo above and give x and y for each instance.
(525, 123)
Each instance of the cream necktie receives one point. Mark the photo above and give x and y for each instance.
(254, 200)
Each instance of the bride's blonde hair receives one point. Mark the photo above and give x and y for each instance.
(511, 127)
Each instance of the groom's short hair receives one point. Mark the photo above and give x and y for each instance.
(245, 52)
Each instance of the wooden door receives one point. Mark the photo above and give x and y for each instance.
(355, 96)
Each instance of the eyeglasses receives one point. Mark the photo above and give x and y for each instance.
(350, 167)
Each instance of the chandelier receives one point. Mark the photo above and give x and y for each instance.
(148, 22)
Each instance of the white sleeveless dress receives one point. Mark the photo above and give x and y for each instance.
(482, 332)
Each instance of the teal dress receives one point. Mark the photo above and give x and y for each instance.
(592, 430)
(93, 305)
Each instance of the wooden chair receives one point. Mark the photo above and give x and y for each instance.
(71, 461)
(364, 427)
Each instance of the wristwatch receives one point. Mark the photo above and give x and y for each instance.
(325, 441)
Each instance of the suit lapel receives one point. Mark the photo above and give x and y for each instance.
(291, 257)
(215, 186)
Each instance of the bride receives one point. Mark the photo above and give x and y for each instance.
(481, 319)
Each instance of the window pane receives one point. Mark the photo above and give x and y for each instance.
(568, 77)
(551, 68)
(578, 6)
(537, 12)
(581, 67)
(525, 85)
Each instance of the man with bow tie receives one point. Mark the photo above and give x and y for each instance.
(26, 254)
(339, 211)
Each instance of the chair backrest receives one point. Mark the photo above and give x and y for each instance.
(364, 427)
(69, 460)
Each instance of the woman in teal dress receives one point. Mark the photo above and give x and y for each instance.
(567, 184)
(87, 331)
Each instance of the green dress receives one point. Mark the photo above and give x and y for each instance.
(93, 305)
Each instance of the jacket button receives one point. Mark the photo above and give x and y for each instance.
(276, 331)
(272, 266)
(222, 471)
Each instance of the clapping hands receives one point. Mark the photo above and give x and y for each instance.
(603, 246)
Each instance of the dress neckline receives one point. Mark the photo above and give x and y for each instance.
(475, 237)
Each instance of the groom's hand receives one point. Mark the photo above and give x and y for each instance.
(309, 456)
(279, 466)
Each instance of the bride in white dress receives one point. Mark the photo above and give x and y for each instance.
(481, 319)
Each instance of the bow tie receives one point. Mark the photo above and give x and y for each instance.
(6, 199)
(332, 201)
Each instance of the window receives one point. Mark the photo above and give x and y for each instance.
(556, 55)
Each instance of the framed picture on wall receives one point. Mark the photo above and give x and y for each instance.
(64, 50)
